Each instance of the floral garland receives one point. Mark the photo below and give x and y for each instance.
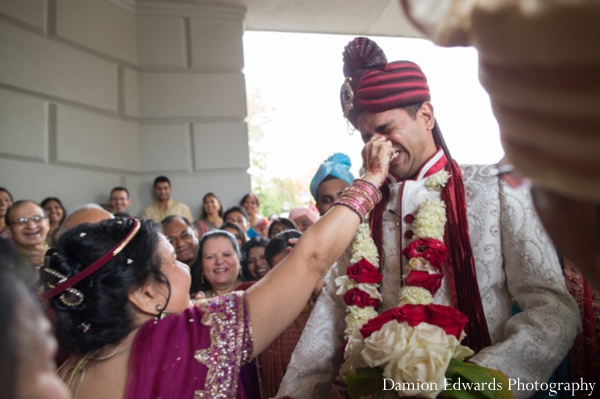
(414, 342)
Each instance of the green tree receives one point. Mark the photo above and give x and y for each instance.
(273, 192)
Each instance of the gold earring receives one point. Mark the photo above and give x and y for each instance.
(160, 315)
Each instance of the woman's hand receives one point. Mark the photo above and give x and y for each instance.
(377, 155)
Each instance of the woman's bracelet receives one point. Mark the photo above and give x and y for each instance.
(361, 197)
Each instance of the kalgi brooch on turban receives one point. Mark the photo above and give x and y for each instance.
(372, 84)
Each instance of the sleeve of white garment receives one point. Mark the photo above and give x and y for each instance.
(538, 338)
(317, 358)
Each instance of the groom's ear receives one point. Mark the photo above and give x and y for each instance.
(425, 114)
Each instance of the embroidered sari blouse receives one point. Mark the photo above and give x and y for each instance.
(197, 354)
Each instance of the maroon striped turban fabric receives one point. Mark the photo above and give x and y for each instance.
(372, 84)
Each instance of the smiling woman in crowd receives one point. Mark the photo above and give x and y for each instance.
(259, 225)
(211, 217)
(254, 265)
(220, 269)
(56, 213)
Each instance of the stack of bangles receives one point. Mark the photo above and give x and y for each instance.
(361, 197)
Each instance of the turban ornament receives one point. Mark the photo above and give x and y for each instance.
(372, 84)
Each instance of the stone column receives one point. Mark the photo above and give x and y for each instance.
(192, 100)
(98, 93)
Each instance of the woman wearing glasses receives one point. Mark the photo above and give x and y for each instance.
(29, 227)
(114, 282)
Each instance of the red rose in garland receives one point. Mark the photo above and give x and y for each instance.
(356, 297)
(432, 250)
(413, 314)
(451, 320)
(364, 272)
(431, 282)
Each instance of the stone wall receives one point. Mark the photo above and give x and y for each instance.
(97, 93)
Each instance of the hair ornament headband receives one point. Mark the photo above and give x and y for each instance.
(66, 285)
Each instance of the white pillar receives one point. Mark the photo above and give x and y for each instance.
(97, 93)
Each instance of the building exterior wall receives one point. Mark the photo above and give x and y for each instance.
(98, 93)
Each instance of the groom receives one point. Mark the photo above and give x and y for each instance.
(499, 256)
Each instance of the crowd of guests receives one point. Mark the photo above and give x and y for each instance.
(225, 250)
(112, 279)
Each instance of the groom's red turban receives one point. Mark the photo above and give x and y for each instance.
(372, 84)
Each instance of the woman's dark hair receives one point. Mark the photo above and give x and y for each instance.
(290, 224)
(16, 304)
(279, 243)
(234, 226)
(14, 206)
(7, 192)
(49, 199)
(105, 316)
(250, 195)
(197, 284)
(203, 213)
(253, 242)
(239, 209)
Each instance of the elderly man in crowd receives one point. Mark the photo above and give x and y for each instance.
(497, 252)
(181, 234)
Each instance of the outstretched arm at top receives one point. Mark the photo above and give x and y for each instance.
(276, 300)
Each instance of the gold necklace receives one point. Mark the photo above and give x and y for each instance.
(80, 367)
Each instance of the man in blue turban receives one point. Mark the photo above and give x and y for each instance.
(330, 180)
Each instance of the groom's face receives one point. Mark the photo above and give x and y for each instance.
(411, 137)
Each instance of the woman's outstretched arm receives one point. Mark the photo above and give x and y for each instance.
(276, 300)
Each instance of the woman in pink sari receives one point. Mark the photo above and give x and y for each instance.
(113, 284)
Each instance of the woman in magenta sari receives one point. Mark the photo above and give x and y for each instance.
(113, 284)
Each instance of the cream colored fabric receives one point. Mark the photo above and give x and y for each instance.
(156, 213)
(514, 261)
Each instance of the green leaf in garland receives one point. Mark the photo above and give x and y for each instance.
(366, 381)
